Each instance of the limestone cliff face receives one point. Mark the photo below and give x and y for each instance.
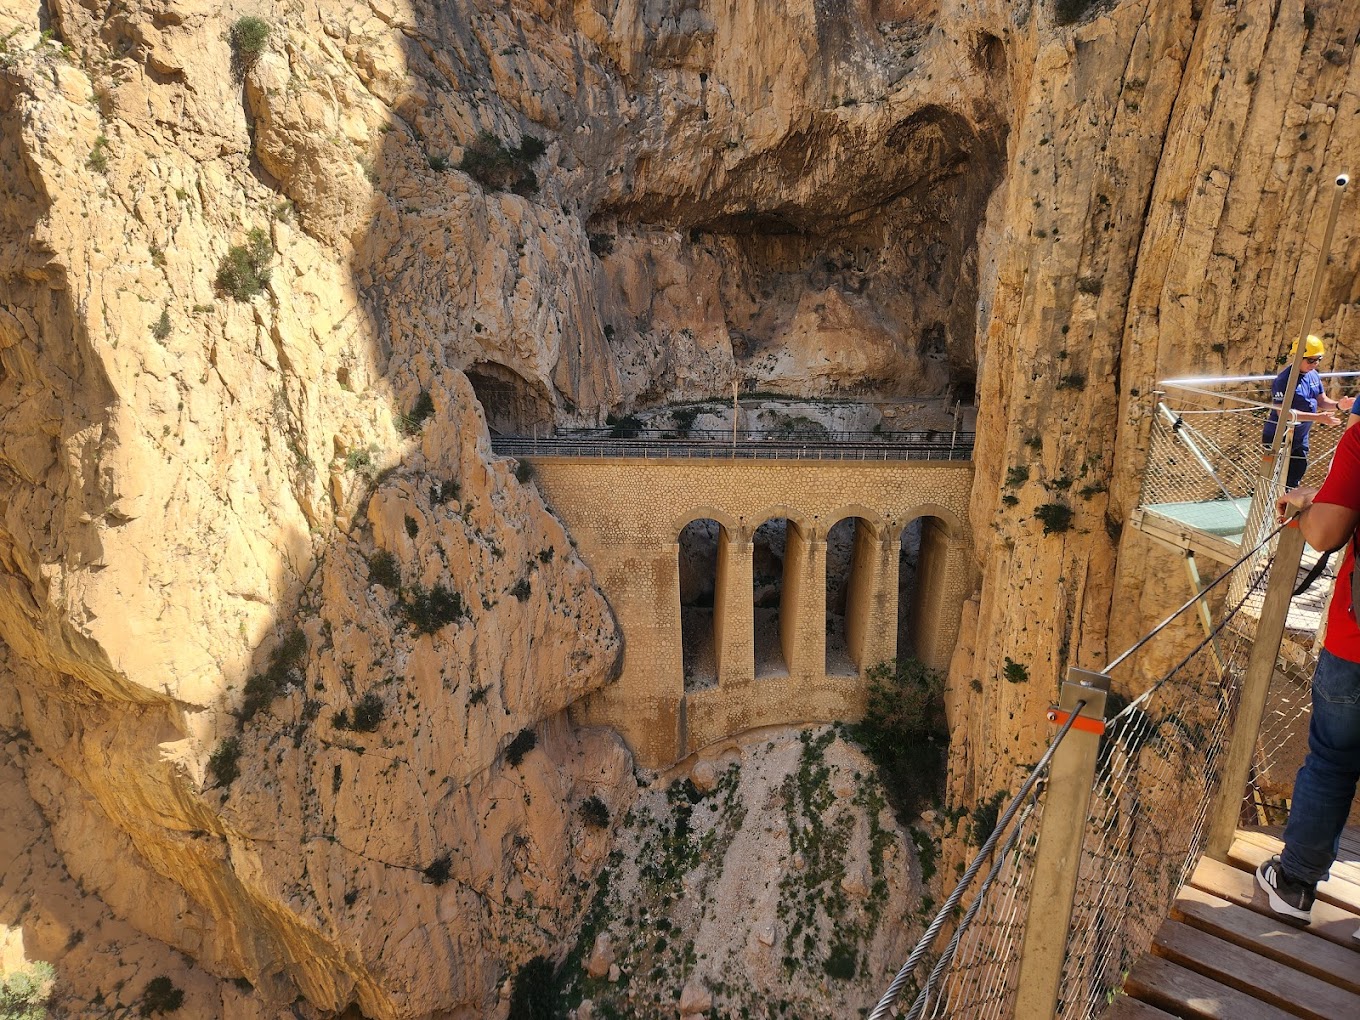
(190, 478)
(1168, 181)
(197, 488)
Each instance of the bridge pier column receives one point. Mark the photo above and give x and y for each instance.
(934, 620)
(871, 603)
(734, 611)
(802, 605)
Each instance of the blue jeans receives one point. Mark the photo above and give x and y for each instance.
(1298, 467)
(1325, 785)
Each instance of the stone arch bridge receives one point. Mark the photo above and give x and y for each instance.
(627, 517)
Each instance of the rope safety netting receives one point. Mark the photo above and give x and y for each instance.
(1156, 773)
(1205, 447)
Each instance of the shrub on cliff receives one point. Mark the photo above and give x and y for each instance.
(244, 269)
(904, 733)
(429, 611)
(438, 871)
(160, 996)
(525, 741)
(1055, 517)
(98, 159)
(488, 162)
(383, 570)
(984, 816)
(534, 992)
(1069, 12)
(25, 993)
(263, 687)
(368, 713)
(248, 36)
(594, 813)
(412, 422)
(223, 763)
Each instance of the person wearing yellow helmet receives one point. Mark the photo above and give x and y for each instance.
(1310, 405)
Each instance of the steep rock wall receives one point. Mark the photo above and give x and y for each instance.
(896, 196)
(1168, 182)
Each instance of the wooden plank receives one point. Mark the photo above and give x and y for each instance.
(1192, 996)
(1261, 978)
(1126, 1008)
(1249, 854)
(1263, 934)
(1237, 886)
(1346, 868)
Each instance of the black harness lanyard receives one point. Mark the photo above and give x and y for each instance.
(1317, 568)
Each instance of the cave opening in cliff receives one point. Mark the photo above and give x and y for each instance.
(700, 546)
(513, 406)
(863, 278)
(849, 570)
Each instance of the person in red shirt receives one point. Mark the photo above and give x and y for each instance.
(1326, 783)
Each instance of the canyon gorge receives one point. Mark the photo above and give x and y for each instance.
(289, 655)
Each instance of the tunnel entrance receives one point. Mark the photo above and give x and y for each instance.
(513, 406)
(701, 544)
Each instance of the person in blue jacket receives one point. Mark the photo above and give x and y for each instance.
(1310, 406)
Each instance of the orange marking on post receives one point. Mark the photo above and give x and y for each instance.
(1085, 723)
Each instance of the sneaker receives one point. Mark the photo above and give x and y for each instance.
(1287, 897)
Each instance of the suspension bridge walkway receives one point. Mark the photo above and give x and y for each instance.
(1220, 954)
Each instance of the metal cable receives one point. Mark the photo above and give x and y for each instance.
(899, 982)
(1218, 629)
(918, 1007)
(1192, 602)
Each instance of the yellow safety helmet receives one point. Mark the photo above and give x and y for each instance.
(1312, 347)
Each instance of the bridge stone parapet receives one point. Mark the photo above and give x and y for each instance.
(626, 517)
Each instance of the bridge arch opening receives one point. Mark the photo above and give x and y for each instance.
(513, 405)
(849, 588)
(701, 547)
(923, 560)
(779, 554)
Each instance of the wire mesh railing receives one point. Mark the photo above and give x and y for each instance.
(981, 972)
(994, 941)
(1156, 774)
(1223, 422)
(1282, 740)
(1207, 440)
(1155, 779)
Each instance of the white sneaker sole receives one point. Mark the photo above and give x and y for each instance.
(1278, 905)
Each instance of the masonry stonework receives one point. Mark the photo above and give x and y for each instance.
(626, 516)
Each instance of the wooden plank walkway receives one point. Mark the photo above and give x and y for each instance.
(1223, 956)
